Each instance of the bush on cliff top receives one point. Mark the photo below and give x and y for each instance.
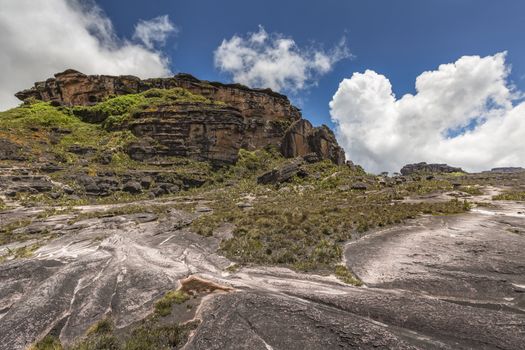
(116, 111)
(41, 129)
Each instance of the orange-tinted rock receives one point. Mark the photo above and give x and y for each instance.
(197, 130)
(302, 138)
(251, 119)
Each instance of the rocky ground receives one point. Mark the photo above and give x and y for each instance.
(178, 213)
(443, 282)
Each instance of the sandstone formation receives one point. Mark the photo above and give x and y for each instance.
(250, 118)
(507, 170)
(196, 130)
(302, 138)
(424, 168)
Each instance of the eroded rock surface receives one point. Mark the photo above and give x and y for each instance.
(237, 117)
(302, 138)
(507, 170)
(196, 130)
(424, 168)
(435, 283)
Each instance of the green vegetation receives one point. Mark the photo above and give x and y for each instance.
(250, 164)
(7, 233)
(515, 195)
(472, 190)
(164, 305)
(116, 112)
(302, 224)
(20, 253)
(99, 336)
(281, 125)
(148, 334)
(346, 276)
(41, 130)
(423, 186)
(48, 343)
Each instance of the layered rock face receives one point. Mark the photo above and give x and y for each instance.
(507, 170)
(302, 138)
(424, 168)
(251, 119)
(196, 130)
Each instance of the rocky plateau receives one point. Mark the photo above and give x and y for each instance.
(177, 213)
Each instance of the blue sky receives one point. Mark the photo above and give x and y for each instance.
(399, 39)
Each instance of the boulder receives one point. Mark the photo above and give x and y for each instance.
(105, 158)
(311, 158)
(81, 150)
(361, 186)
(50, 168)
(11, 151)
(132, 187)
(42, 186)
(146, 181)
(283, 173)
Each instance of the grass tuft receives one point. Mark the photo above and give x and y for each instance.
(164, 305)
(48, 343)
(514, 195)
(346, 276)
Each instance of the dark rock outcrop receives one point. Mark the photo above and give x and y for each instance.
(507, 170)
(424, 168)
(301, 139)
(284, 173)
(361, 186)
(10, 151)
(244, 118)
(197, 130)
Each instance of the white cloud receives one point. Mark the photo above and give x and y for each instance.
(40, 38)
(464, 114)
(154, 31)
(272, 60)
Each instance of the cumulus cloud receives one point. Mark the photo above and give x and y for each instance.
(40, 38)
(264, 60)
(464, 113)
(154, 31)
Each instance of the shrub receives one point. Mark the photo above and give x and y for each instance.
(510, 196)
(346, 276)
(164, 305)
(99, 336)
(48, 343)
(150, 335)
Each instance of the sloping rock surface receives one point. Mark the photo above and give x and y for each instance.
(436, 283)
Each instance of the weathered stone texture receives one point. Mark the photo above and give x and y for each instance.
(302, 138)
(423, 167)
(252, 118)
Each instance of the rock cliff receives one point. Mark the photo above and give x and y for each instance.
(507, 170)
(424, 168)
(237, 117)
